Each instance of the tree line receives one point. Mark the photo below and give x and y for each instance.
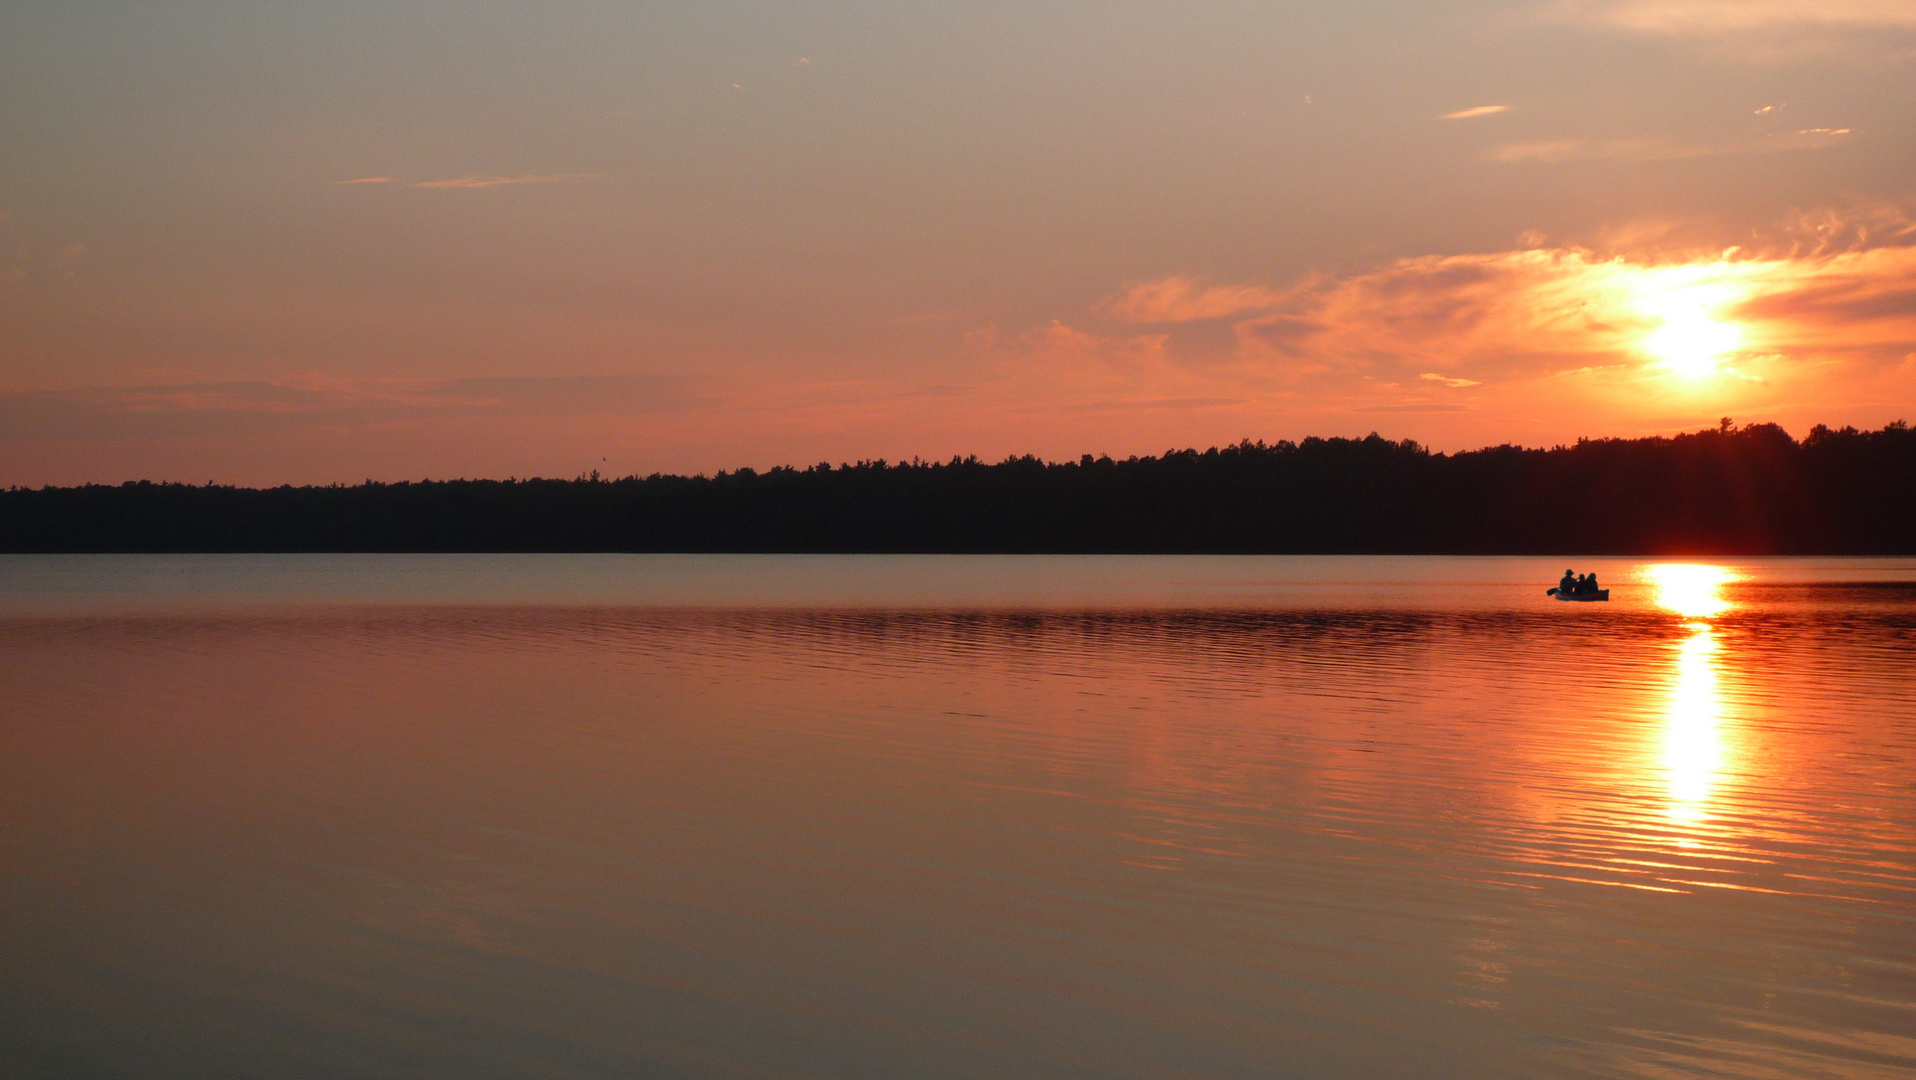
(1752, 490)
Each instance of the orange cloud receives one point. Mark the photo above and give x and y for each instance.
(1061, 345)
(1061, 369)
(1614, 342)
(1855, 228)
(1529, 314)
(1536, 345)
(1179, 299)
(1481, 110)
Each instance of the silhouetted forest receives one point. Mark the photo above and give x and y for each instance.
(1750, 490)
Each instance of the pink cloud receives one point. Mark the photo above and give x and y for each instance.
(1704, 17)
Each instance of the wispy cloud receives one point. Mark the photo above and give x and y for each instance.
(214, 408)
(1554, 150)
(1467, 347)
(1660, 149)
(1706, 17)
(1821, 312)
(1066, 370)
(475, 180)
(478, 180)
(1177, 299)
(1858, 227)
(1523, 315)
(1480, 110)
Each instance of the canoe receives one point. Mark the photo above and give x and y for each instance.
(1579, 598)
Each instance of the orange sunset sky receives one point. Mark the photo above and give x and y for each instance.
(272, 241)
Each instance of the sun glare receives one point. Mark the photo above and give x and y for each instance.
(1693, 739)
(1693, 338)
(1692, 590)
(1693, 736)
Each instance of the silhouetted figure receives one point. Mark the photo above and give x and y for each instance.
(1590, 583)
(1569, 582)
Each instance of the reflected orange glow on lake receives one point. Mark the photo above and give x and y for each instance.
(1693, 590)
(1693, 741)
(1693, 744)
(1331, 817)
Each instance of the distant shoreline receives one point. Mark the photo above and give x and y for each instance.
(1728, 491)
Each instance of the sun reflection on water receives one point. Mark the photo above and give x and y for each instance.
(1693, 735)
(1693, 740)
(1694, 590)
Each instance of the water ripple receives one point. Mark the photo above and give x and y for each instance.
(1488, 837)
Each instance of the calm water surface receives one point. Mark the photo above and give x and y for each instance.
(596, 816)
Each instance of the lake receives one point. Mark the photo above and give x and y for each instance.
(917, 816)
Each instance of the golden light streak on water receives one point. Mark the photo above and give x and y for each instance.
(819, 816)
(1693, 737)
(1693, 590)
(1693, 731)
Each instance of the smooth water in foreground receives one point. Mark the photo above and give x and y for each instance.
(621, 816)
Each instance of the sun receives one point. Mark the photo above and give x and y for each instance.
(1693, 338)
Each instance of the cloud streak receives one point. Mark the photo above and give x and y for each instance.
(1443, 330)
(1540, 344)
(1480, 110)
(478, 180)
(1659, 149)
(1521, 315)
(1178, 299)
(1691, 18)
(215, 408)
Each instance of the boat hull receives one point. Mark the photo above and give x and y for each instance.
(1581, 598)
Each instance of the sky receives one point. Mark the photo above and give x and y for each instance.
(268, 241)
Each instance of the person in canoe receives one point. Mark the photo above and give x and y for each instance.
(1575, 586)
